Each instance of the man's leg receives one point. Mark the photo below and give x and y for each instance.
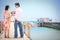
(15, 29)
(20, 29)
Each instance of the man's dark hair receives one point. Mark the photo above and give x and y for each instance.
(17, 4)
(6, 7)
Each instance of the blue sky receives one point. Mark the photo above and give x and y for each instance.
(33, 9)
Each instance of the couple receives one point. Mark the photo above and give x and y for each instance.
(16, 18)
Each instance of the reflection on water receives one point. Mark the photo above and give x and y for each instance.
(43, 33)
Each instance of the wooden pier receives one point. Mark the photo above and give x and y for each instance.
(11, 33)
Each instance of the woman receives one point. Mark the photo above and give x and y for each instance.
(6, 21)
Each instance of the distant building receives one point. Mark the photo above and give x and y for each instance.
(42, 20)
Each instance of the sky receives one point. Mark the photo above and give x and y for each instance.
(34, 9)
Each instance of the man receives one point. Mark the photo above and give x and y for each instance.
(18, 23)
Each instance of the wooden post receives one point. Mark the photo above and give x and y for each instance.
(24, 27)
(28, 25)
(0, 27)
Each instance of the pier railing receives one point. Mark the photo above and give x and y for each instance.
(27, 25)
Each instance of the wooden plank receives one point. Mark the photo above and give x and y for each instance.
(12, 38)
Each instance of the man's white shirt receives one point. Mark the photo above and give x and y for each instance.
(18, 14)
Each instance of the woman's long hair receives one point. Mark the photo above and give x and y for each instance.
(6, 7)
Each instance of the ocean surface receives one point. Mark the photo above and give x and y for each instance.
(44, 33)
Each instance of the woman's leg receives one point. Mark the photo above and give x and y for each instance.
(8, 29)
(8, 33)
(5, 32)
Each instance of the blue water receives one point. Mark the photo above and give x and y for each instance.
(44, 33)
